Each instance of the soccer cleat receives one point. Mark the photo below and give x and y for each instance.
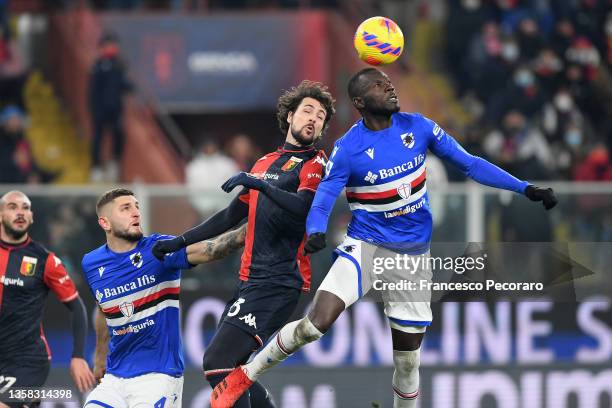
(227, 392)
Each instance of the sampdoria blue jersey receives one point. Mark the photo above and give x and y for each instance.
(139, 297)
(385, 178)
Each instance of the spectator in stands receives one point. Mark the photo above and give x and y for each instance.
(529, 38)
(563, 36)
(16, 160)
(595, 167)
(467, 18)
(107, 84)
(548, 68)
(208, 170)
(523, 94)
(557, 113)
(520, 148)
(242, 150)
(491, 78)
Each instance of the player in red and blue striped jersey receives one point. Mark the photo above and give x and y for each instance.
(275, 199)
(381, 163)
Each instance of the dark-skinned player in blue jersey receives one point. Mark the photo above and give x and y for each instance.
(381, 163)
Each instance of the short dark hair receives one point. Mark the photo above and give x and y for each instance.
(356, 87)
(291, 99)
(110, 195)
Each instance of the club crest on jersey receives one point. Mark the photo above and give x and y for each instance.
(136, 259)
(349, 248)
(28, 266)
(291, 163)
(127, 309)
(408, 139)
(404, 190)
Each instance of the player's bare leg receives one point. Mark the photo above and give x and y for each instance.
(406, 359)
(290, 338)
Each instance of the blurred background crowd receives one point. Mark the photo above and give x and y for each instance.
(538, 75)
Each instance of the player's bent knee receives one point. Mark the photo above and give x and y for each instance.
(406, 361)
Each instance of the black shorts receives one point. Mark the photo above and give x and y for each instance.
(32, 375)
(260, 310)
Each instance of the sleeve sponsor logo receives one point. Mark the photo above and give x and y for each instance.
(438, 132)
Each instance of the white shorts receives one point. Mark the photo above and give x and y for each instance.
(360, 266)
(153, 390)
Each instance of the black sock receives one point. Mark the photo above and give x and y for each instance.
(260, 397)
(229, 348)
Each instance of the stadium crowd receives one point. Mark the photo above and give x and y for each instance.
(537, 72)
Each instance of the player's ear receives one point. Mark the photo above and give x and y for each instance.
(104, 223)
(289, 117)
(358, 102)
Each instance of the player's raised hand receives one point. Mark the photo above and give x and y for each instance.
(315, 243)
(81, 374)
(166, 246)
(243, 179)
(546, 195)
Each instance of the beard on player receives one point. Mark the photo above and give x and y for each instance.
(16, 233)
(306, 135)
(128, 234)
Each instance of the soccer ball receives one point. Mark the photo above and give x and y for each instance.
(378, 41)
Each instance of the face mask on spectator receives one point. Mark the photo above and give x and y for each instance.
(524, 78)
(563, 102)
(470, 4)
(573, 137)
(510, 51)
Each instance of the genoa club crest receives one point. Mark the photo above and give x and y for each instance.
(291, 163)
(28, 266)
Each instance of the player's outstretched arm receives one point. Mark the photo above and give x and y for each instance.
(215, 225)
(296, 203)
(484, 172)
(102, 340)
(220, 247)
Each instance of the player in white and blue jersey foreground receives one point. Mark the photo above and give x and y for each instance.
(138, 295)
(381, 163)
